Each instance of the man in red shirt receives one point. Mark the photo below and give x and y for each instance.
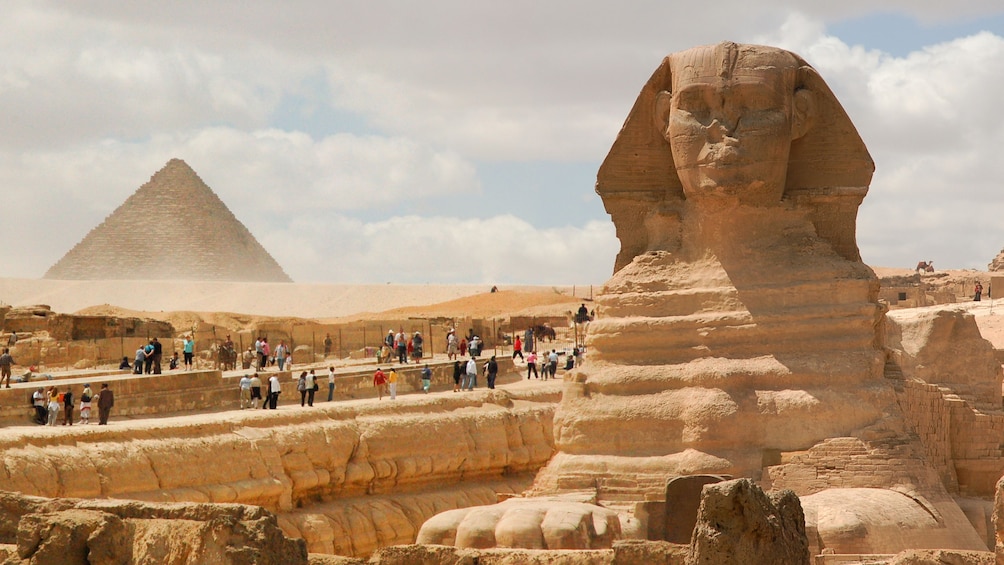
(380, 382)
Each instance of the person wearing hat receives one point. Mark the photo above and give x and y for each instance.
(451, 344)
(416, 343)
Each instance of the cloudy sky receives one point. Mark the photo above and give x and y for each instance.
(457, 141)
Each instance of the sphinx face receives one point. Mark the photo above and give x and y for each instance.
(729, 124)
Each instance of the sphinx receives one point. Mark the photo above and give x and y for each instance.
(741, 334)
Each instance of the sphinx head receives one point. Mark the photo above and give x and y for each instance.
(726, 125)
(730, 117)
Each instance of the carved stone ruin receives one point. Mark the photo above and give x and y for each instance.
(741, 334)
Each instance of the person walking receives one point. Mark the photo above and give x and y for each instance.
(379, 382)
(552, 363)
(6, 361)
(255, 390)
(245, 389)
(451, 345)
(106, 399)
(274, 390)
(457, 371)
(331, 384)
(493, 371)
(85, 404)
(401, 343)
(517, 349)
(426, 378)
(280, 353)
(471, 379)
(301, 387)
(417, 347)
(392, 383)
(68, 407)
(311, 387)
(531, 365)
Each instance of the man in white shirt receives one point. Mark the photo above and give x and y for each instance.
(274, 390)
(552, 363)
(245, 386)
(331, 384)
(472, 375)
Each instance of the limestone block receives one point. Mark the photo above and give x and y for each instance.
(739, 523)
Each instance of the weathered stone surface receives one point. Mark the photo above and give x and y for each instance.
(739, 523)
(942, 557)
(191, 222)
(537, 523)
(71, 531)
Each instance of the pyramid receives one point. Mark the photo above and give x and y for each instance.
(173, 228)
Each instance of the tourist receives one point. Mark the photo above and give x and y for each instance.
(311, 387)
(379, 381)
(255, 390)
(463, 347)
(280, 353)
(471, 374)
(331, 384)
(531, 365)
(106, 399)
(289, 362)
(125, 364)
(175, 362)
(6, 361)
(189, 352)
(389, 341)
(265, 351)
(53, 406)
(85, 404)
(248, 358)
(978, 292)
(417, 343)
(451, 344)
(392, 383)
(426, 378)
(493, 371)
(148, 357)
(402, 347)
(475, 346)
(68, 407)
(570, 359)
(12, 340)
(259, 354)
(301, 387)
(140, 360)
(582, 316)
(245, 390)
(158, 355)
(274, 390)
(528, 340)
(268, 393)
(457, 371)
(552, 363)
(327, 345)
(517, 349)
(38, 400)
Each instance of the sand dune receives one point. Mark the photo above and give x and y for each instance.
(264, 299)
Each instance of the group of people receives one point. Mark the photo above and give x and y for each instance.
(48, 403)
(387, 382)
(466, 377)
(148, 358)
(402, 346)
(307, 385)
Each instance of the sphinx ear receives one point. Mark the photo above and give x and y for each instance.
(663, 103)
(803, 112)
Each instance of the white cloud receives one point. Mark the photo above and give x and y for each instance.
(413, 249)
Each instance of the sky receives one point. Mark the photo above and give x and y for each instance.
(457, 141)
